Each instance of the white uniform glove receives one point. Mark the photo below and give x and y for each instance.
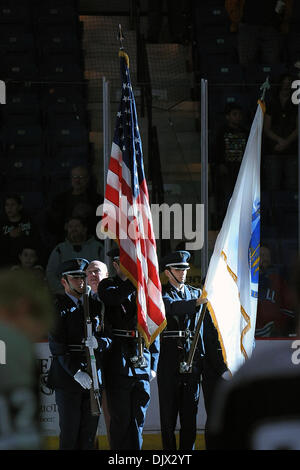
(91, 342)
(226, 375)
(83, 379)
(152, 375)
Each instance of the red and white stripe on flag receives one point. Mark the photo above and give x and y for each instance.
(127, 216)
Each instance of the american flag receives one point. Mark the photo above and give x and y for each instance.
(126, 214)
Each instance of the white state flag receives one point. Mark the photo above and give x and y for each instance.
(231, 284)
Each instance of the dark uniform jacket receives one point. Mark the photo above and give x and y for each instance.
(119, 298)
(66, 342)
(181, 314)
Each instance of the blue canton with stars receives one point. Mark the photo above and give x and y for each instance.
(127, 135)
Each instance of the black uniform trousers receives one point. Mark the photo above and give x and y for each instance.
(128, 399)
(77, 425)
(178, 395)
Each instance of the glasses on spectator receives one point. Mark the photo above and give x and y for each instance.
(78, 177)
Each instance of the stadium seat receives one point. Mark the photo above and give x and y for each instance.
(13, 14)
(30, 151)
(58, 115)
(16, 41)
(18, 67)
(23, 137)
(55, 14)
(211, 17)
(20, 114)
(257, 73)
(23, 174)
(21, 97)
(210, 60)
(225, 73)
(60, 72)
(212, 12)
(55, 94)
(67, 44)
(67, 137)
(20, 167)
(221, 44)
(59, 18)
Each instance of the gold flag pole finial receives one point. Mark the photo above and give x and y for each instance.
(264, 87)
(121, 37)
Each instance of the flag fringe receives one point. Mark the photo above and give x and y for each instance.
(243, 312)
(214, 319)
(161, 327)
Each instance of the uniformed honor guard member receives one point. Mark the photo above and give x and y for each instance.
(127, 372)
(178, 389)
(67, 342)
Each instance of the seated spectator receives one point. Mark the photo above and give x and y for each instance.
(230, 144)
(16, 231)
(81, 200)
(274, 313)
(281, 139)
(76, 245)
(260, 27)
(29, 260)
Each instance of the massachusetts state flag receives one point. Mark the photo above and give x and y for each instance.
(231, 284)
(127, 216)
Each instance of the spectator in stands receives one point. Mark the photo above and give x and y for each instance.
(95, 272)
(176, 19)
(274, 312)
(29, 260)
(260, 26)
(81, 200)
(231, 140)
(16, 230)
(281, 139)
(76, 245)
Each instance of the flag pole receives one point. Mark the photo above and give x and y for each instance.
(121, 37)
(264, 87)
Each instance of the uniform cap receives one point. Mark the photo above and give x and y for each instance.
(73, 267)
(177, 259)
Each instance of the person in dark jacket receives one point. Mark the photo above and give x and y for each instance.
(127, 373)
(17, 229)
(179, 389)
(68, 342)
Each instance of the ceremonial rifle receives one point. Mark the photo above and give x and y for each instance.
(187, 366)
(91, 360)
